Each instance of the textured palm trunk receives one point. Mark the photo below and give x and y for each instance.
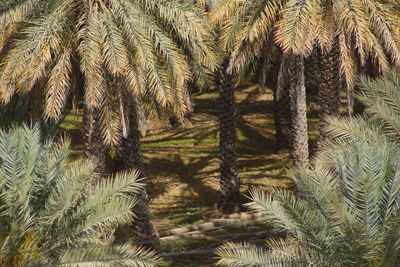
(264, 69)
(129, 156)
(188, 102)
(94, 148)
(330, 86)
(142, 118)
(298, 107)
(229, 182)
(311, 74)
(36, 103)
(266, 63)
(282, 104)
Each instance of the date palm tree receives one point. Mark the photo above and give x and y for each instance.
(346, 213)
(348, 210)
(229, 181)
(347, 32)
(53, 214)
(108, 43)
(248, 28)
(112, 50)
(350, 34)
(381, 98)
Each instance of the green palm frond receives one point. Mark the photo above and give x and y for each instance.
(232, 254)
(382, 99)
(344, 213)
(381, 122)
(52, 212)
(125, 255)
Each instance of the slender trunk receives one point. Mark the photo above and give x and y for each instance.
(298, 107)
(129, 156)
(94, 148)
(266, 59)
(142, 119)
(349, 96)
(36, 103)
(229, 182)
(264, 68)
(311, 74)
(282, 105)
(329, 94)
(188, 102)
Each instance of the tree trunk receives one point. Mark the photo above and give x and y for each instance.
(229, 182)
(329, 94)
(36, 103)
(282, 105)
(141, 117)
(266, 58)
(264, 69)
(129, 156)
(311, 74)
(188, 102)
(94, 148)
(298, 107)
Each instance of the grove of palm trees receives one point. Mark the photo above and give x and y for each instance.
(200, 133)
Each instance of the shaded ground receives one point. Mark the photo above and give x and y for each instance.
(182, 165)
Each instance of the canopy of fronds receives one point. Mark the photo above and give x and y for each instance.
(52, 213)
(346, 213)
(145, 48)
(361, 28)
(381, 118)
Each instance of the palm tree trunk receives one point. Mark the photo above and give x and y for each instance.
(282, 105)
(298, 107)
(267, 57)
(36, 103)
(329, 94)
(188, 102)
(94, 148)
(229, 182)
(129, 156)
(142, 118)
(311, 74)
(264, 69)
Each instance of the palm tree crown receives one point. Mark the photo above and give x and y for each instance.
(138, 47)
(382, 116)
(347, 210)
(347, 213)
(50, 212)
(371, 27)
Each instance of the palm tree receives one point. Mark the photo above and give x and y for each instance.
(346, 214)
(298, 114)
(336, 27)
(114, 50)
(53, 214)
(248, 29)
(350, 34)
(381, 98)
(107, 43)
(282, 106)
(229, 182)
